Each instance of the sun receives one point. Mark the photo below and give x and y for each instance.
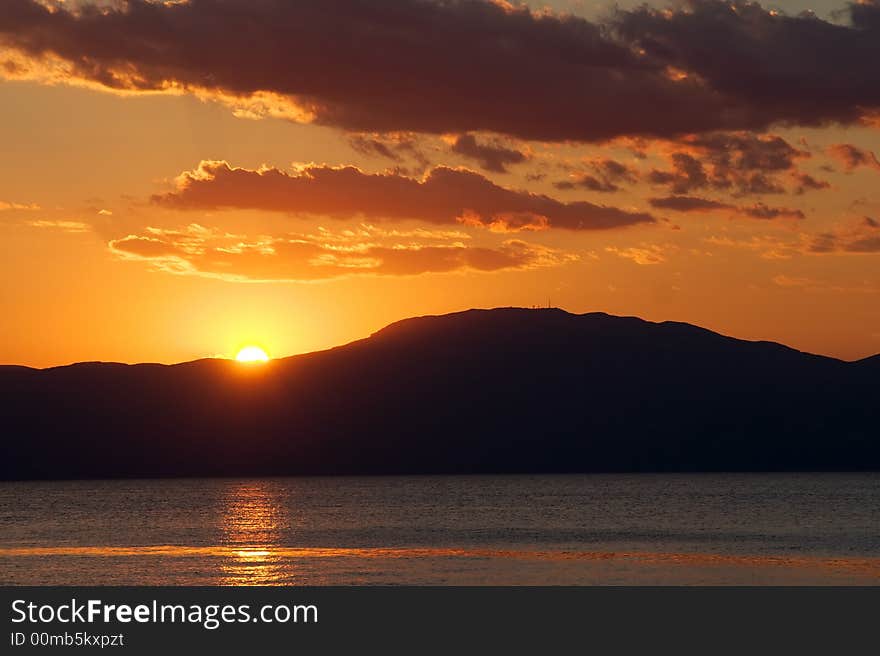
(252, 354)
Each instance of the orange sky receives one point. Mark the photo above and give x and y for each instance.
(111, 253)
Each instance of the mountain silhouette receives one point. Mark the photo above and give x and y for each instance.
(503, 390)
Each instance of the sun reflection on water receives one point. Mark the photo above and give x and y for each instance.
(252, 524)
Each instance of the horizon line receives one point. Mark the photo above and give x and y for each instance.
(535, 308)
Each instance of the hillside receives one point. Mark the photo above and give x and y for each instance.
(505, 390)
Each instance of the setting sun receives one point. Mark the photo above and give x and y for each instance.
(252, 354)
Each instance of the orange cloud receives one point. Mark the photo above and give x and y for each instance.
(852, 157)
(443, 196)
(813, 285)
(25, 207)
(861, 236)
(856, 237)
(645, 254)
(196, 250)
(64, 226)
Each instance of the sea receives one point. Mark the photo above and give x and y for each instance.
(596, 529)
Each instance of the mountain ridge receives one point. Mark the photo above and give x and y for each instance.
(503, 390)
(868, 359)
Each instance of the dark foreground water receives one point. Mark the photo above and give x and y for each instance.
(591, 529)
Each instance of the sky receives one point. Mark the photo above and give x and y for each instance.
(180, 179)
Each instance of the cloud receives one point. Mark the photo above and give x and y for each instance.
(796, 69)
(740, 163)
(206, 252)
(63, 226)
(492, 156)
(443, 196)
(783, 280)
(588, 182)
(851, 157)
(762, 211)
(607, 176)
(375, 147)
(768, 247)
(460, 66)
(645, 254)
(697, 204)
(805, 182)
(396, 147)
(814, 285)
(689, 204)
(861, 236)
(854, 237)
(24, 207)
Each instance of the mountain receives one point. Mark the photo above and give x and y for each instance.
(504, 390)
(870, 363)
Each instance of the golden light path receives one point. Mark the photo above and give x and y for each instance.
(869, 566)
(252, 354)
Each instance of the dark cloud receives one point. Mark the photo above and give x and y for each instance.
(607, 176)
(443, 196)
(796, 69)
(615, 171)
(689, 204)
(761, 211)
(588, 182)
(492, 156)
(395, 147)
(373, 147)
(697, 204)
(460, 66)
(196, 250)
(687, 174)
(741, 163)
(805, 182)
(730, 153)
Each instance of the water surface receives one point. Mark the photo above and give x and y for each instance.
(574, 529)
